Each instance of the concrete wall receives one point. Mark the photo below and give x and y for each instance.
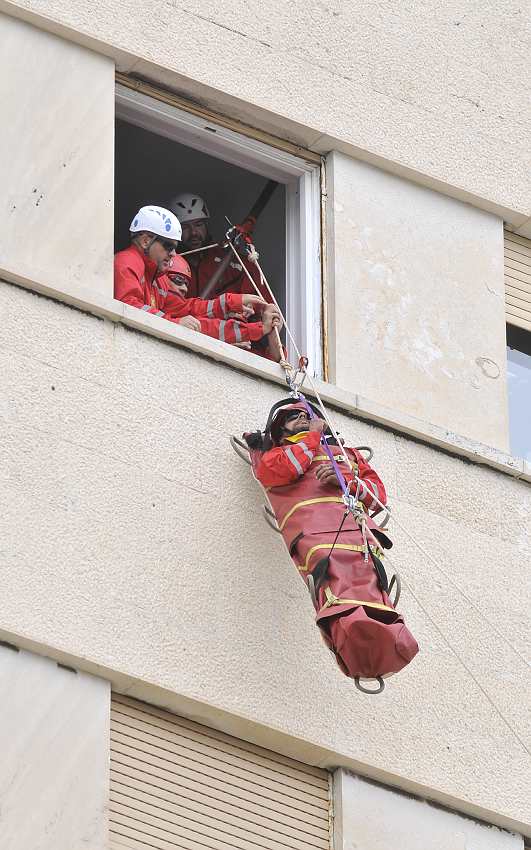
(132, 536)
(415, 277)
(54, 767)
(417, 314)
(369, 817)
(438, 90)
(56, 160)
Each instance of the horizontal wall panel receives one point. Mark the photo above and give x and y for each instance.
(517, 263)
(177, 784)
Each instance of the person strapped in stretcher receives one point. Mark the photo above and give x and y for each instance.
(337, 552)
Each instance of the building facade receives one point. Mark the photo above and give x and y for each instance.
(146, 604)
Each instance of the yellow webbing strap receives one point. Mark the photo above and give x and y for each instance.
(334, 600)
(351, 547)
(297, 438)
(296, 507)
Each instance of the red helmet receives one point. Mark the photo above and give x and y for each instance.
(179, 266)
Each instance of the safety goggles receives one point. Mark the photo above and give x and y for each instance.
(177, 278)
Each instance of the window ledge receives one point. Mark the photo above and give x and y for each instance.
(357, 405)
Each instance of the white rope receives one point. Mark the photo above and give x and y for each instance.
(264, 282)
(502, 637)
(196, 250)
(463, 663)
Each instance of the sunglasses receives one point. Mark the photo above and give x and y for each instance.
(290, 417)
(168, 245)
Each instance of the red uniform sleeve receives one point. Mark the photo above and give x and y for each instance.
(232, 331)
(371, 484)
(285, 464)
(128, 285)
(213, 308)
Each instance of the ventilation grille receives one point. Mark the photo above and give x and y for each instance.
(517, 252)
(176, 784)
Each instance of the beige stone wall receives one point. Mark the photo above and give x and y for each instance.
(54, 768)
(436, 90)
(56, 160)
(132, 537)
(417, 316)
(415, 278)
(369, 817)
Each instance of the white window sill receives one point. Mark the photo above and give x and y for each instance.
(357, 405)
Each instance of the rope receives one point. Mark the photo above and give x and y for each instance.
(283, 363)
(502, 637)
(196, 250)
(463, 663)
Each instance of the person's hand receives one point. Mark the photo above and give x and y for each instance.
(252, 304)
(190, 322)
(325, 474)
(271, 318)
(246, 345)
(317, 425)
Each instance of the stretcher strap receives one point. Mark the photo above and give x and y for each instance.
(322, 499)
(334, 600)
(350, 547)
(339, 475)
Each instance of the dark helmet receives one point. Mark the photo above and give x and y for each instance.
(273, 429)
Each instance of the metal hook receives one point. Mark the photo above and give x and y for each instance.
(311, 588)
(381, 685)
(385, 521)
(395, 580)
(271, 519)
(240, 448)
(295, 377)
(370, 453)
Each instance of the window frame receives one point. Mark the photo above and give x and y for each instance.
(299, 172)
(521, 344)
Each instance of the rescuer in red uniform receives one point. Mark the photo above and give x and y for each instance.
(141, 280)
(337, 554)
(224, 317)
(194, 216)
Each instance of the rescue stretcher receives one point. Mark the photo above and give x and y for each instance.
(339, 555)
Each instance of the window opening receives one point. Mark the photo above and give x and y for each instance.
(161, 150)
(519, 389)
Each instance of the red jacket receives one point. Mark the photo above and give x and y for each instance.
(137, 282)
(353, 610)
(213, 315)
(285, 465)
(233, 280)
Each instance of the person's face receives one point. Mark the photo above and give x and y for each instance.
(160, 250)
(296, 421)
(194, 234)
(179, 283)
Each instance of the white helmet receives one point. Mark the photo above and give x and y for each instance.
(189, 207)
(157, 220)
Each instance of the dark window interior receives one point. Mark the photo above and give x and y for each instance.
(153, 169)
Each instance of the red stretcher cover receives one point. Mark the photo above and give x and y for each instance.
(355, 616)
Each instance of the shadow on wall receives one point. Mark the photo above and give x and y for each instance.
(153, 169)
